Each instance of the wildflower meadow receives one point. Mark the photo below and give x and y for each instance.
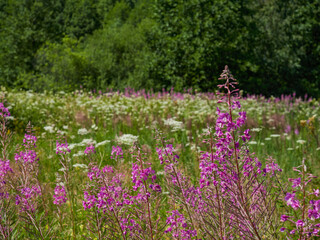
(159, 165)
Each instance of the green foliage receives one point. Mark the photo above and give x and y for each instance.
(59, 67)
(25, 26)
(284, 47)
(272, 46)
(195, 42)
(119, 51)
(80, 17)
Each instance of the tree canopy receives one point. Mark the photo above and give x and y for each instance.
(271, 45)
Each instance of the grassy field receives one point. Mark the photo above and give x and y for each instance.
(283, 128)
(286, 128)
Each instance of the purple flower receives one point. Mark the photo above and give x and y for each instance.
(288, 129)
(60, 195)
(316, 192)
(107, 169)
(240, 121)
(155, 187)
(29, 156)
(165, 153)
(116, 153)
(26, 199)
(272, 167)
(282, 229)
(4, 170)
(89, 201)
(62, 148)
(94, 173)
(4, 111)
(236, 104)
(179, 227)
(295, 182)
(89, 150)
(30, 140)
(284, 218)
(299, 223)
(293, 232)
(313, 214)
(140, 175)
(246, 136)
(315, 232)
(295, 204)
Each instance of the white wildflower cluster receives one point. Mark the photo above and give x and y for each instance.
(63, 149)
(78, 154)
(127, 139)
(80, 165)
(85, 142)
(83, 131)
(275, 135)
(49, 129)
(175, 125)
(10, 118)
(102, 143)
(300, 141)
(256, 129)
(62, 133)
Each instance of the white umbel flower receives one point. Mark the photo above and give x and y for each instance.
(83, 131)
(127, 139)
(176, 125)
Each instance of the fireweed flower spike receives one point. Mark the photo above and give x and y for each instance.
(6, 199)
(4, 112)
(27, 160)
(5, 141)
(89, 150)
(116, 153)
(28, 189)
(181, 191)
(60, 196)
(304, 201)
(238, 198)
(147, 198)
(62, 150)
(5, 136)
(106, 202)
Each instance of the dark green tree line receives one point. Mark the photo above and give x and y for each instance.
(271, 45)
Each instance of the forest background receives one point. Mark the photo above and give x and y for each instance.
(272, 46)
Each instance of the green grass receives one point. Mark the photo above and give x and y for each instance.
(108, 117)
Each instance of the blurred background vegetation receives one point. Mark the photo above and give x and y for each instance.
(272, 46)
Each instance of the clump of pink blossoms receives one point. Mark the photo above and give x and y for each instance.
(28, 188)
(303, 218)
(4, 112)
(60, 196)
(106, 201)
(27, 198)
(5, 169)
(89, 150)
(62, 148)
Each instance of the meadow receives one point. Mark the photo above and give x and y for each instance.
(159, 165)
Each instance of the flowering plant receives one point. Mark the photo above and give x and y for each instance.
(302, 218)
